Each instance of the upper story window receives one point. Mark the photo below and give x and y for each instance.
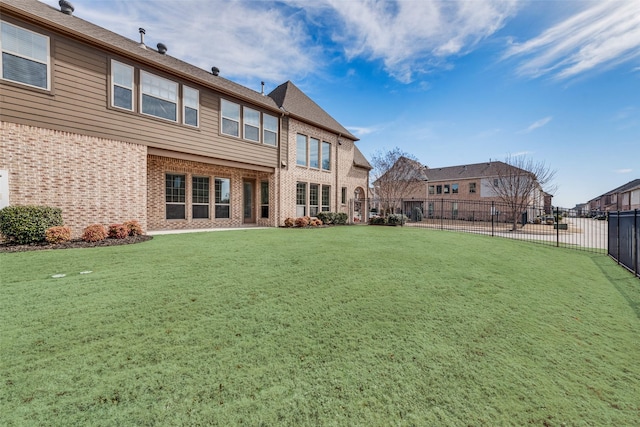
(191, 106)
(472, 187)
(454, 188)
(432, 189)
(314, 153)
(446, 189)
(251, 120)
(159, 96)
(301, 150)
(270, 129)
(25, 56)
(122, 83)
(326, 156)
(230, 118)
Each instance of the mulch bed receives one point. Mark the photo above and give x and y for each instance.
(8, 247)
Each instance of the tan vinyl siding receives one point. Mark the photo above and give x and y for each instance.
(79, 103)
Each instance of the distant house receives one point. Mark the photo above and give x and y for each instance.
(457, 184)
(625, 197)
(109, 129)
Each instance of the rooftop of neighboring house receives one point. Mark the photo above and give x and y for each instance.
(285, 98)
(631, 185)
(414, 170)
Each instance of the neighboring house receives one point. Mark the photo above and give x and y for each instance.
(109, 129)
(456, 184)
(625, 197)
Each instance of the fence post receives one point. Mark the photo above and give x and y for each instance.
(493, 210)
(557, 218)
(617, 236)
(634, 239)
(441, 214)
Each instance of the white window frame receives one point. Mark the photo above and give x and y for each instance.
(114, 84)
(160, 96)
(223, 117)
(267, 129)
(299, 144)
(314, 151)
(325, 148)
(3, 49)
(256, 125)
(187, 102)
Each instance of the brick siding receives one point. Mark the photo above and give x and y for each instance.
(93, 180)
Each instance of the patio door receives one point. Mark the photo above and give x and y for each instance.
(248, 191)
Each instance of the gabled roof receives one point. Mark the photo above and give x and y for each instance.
(299, 105)
(360, 160)
(476, 170)
(631, 185)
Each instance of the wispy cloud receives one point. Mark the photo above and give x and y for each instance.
(362, 131)
(600, 37)
(410, 37)
(537, 124)
(623, 171)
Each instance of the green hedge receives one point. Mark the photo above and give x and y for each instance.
(28, 224)
(337, 218)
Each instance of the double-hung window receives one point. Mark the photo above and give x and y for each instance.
(251, 119)
(301, 199)
(175, 195)
(159, 96)
(472, 187)
(121, 85)
(223, 197)
(326, 156)
(454, 188)
(314, 202)
(230, 118)
(270, 129)
(200, 197)
(25, 56)
(190, 106)
(301, 150)
(326, 191)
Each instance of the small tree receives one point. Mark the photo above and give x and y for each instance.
(520, 182)
(395, 174)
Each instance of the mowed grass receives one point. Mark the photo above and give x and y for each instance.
(344, 326)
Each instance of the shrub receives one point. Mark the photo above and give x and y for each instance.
(118, 231)
(315, 222)
(396, 219)
(58, 234)
(134, 227)
(417, 214)
(302, 221)
(28, 224)
(289, 222)
(327, 217)
(377, 220)
(94, 233)
(340, 218)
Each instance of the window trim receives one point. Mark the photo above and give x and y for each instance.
(48, 62)
(184, 196)
(193, 197)
(343, 196)
(185, 89)
(215, 198)
(264, 193)
(472, 187)
(301, 186)
(322, 198)
(223, 117)
(132, 88)
(245, 124)
(327, 145)
(142, 93)
(265, 130)
(306, 150)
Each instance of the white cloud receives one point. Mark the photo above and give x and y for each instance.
(537, 124)
(623, 171)
(600, 37)
(245, 39)
(362, 130)
(410, 37)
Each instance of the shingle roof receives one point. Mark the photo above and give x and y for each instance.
(631, 185)
(360, 160)
(299, 105)
(476, 170)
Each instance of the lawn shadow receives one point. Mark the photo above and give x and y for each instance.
(619, 281)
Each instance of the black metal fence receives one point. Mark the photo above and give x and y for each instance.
(546, 225)
(624, 239)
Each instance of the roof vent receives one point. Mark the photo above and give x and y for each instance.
(262, 92)
(142, 33)
(66, 7)
(162, 49)
(215, 71)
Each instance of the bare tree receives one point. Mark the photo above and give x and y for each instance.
(521, 182)
(395, 174)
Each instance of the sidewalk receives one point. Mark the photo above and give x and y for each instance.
(203, 230)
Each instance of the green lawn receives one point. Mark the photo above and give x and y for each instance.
(369, 326)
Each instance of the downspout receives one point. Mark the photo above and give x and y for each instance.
(280, 167)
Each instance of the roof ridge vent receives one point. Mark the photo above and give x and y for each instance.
(66, 7)
(162, 48)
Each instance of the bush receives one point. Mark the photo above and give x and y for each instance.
(134, 227)
(94, 233)
(58, 234)
(395, 219)
(118, 231)
(28, 224)
(327, 217)
(417, 214)
(377, 220)
(289, 222)
(302, 221)
(315, 222)
(340, 218)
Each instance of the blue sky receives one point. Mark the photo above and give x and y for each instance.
(451, 82)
